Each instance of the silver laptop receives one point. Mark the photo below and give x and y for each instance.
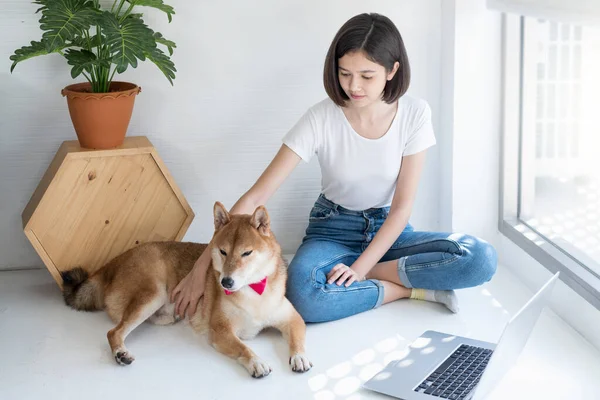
(444, 366)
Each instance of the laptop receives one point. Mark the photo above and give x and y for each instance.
(443, 366)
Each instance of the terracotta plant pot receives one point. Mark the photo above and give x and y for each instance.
(101, 119)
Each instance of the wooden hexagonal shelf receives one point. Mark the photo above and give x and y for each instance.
(92, 205)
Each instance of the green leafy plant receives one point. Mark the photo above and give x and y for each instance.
(98, 42)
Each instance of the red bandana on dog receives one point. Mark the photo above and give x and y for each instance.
(258, 287)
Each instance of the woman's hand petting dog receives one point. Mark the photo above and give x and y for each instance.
(188, 292)
(342, 273)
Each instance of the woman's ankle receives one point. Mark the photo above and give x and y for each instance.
(393, 292)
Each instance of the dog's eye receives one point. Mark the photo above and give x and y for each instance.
(246, 254)
(223, 252)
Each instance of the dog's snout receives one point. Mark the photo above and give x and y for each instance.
(227, 282)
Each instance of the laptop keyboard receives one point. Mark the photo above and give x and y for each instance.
(458, 374)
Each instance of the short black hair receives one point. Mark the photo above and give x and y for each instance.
(379, 38)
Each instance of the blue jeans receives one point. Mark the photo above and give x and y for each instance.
(426, 260)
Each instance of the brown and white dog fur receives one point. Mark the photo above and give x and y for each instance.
(136, 286)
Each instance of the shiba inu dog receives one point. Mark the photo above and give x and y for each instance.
(244, 292)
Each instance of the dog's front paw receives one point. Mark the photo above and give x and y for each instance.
(258, 368)
(300, 363)
(124, 358)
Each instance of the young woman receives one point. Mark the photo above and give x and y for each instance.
(359, 250)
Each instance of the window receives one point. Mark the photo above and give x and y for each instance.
(550, 204)
(560, 188)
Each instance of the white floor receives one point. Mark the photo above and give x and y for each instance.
(49, 351)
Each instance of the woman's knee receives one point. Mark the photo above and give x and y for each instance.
(482, 260)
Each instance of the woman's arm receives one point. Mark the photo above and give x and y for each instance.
(400, 210)
(191, 288)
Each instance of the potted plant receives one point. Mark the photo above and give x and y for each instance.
(98, 43)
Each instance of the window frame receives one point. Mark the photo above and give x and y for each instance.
(573, 273)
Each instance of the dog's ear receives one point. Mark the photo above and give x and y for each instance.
(221, 216)
(260, 220)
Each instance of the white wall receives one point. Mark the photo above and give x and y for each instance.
(476, 124)
(246, 72)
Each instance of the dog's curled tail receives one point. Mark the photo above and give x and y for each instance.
(80, 291)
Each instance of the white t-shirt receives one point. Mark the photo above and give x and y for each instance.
(360, 173)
